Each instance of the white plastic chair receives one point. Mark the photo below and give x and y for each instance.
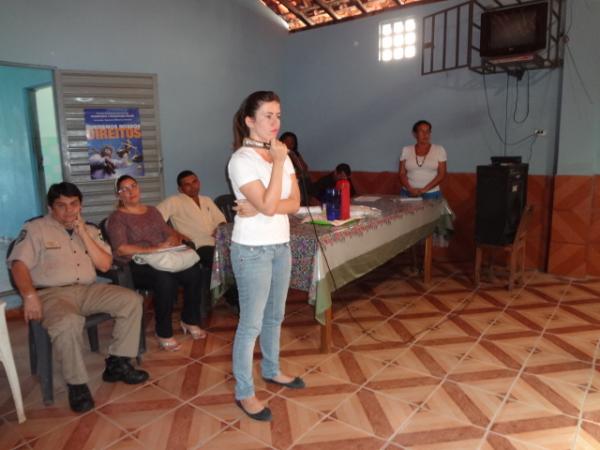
(6, 357)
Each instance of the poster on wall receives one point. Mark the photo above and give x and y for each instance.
(114, 138)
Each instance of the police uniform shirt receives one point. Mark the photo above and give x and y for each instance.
(54, 256)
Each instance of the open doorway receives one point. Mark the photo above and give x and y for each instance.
(29, 144)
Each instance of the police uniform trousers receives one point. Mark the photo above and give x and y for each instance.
(64, 310)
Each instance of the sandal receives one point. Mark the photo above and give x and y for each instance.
(168, 344)
(195, 331)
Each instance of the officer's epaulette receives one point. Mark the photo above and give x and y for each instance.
(33, 218)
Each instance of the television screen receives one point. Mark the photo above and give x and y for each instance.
(514, 30)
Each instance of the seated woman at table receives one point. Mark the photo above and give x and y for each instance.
(304, 182)
(342, 172)
(138, 228)
(264, 183)
(423, 165)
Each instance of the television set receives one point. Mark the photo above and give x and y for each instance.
(514, 30)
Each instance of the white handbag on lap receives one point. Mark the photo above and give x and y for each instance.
(173, 259)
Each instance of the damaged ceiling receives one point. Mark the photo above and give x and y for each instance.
(306, 14)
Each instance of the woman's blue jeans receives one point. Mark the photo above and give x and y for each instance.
(262, 274)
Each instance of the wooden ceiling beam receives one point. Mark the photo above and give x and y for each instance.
(328, 9)
(360, 6)
(299, 14)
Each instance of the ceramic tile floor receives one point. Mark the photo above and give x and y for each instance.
(444, 366)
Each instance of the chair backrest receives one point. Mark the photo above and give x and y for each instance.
(8, 252)
(103, 229)
(226, 203)
(521, 233)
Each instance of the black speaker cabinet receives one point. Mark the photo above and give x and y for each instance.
(501, 198)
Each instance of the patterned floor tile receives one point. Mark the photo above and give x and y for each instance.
(374, 412)
(534, 427)
(556, 397)
(588, 437)
(556, 344)
(9, 436)
(364, 309)
(232, 438)
(484, 376)
(389, 333)
(394, 303)
(135, 410)
(192, 380)
(591, 405)
(427, 430)
(294, 331)
(42, 419)
(127, 443)
(351, 367)
(464, 403)
(323, 393)
(332, 434)
(184, 427)
(220, 400)
(290, 421)
(496, 441)
(404, 384)
(89, 431)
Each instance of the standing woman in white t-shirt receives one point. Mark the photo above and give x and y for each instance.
(265, 186)
(423, 165)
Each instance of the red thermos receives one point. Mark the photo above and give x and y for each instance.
(344, 187)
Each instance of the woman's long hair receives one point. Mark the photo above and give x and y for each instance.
(248, 108)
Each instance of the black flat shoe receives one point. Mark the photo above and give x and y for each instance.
(264, 415)
(296, 383)
(80, 398)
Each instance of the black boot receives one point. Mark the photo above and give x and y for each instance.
(118, 368)
(80, 398)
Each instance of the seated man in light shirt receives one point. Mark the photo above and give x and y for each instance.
(196, 218)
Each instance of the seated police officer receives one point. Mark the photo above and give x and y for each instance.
(53, 264)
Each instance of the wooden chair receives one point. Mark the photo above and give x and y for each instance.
(516, 252)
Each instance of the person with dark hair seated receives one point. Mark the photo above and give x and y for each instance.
(341, 172)
(53, 264)
(422, 165)
(304, 182)
(195, 217)
(137, 228)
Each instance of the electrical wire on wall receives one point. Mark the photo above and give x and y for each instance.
(515, 120)
(501, 138)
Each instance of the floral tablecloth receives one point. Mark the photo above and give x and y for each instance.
(344, 252)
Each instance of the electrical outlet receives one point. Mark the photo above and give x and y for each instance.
(540, 132)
